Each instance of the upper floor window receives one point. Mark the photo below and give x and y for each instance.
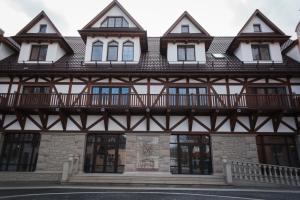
(38, 52)
(186, 53)
(256, 27)
(36, 90)
(260, 52)
(115, 22)
(112, 51)
(185, 29)
(43, 28)
(128, 50)
(97, 50)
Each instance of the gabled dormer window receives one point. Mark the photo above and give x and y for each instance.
(186, 53)
(115, 22)
(38, 53)
(97, 50)
(43, 28)
(260, 52)
(256, 28)
(185, 28)
(128, 50)
(112, 51)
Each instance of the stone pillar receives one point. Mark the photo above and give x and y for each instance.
(240, 147)
(147, 152)
(55, 149)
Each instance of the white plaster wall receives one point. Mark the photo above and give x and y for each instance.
(115, 11)
(295, 89)
(235, 89)
(199, 53)
(36, 27)
(185, 21)
(4, 88)
(294, 53)
(244, 52)
(106, 40)
(54, 52)
(156, 89)
(141, 89)
(5, 51)
(256, 20)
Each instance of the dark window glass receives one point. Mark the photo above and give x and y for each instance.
(112, 51)
(19, 152)
(185, 29)
(110, 96)
(257, 28)
(38, 53)
(115, 22)
(186, 53)
(128, 51)
(43, 28)
(260, 52)
(188, 96)
(97, 49)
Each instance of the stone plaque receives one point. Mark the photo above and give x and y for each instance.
(147, 153)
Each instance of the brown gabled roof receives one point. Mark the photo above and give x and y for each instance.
(289, 47)
(259, 14)
(195, 23)
(109, 7)
(9, 41)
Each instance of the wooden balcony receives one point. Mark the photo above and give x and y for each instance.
(152, 102)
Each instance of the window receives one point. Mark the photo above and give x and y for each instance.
(256, 27)
(97, 49)
(186, 53)
(128, 51)
(260, 52)
(105, 153)
(112, 51)
(190, 154)
(184, 96)
(185, 29)
(218, 55)
(115, 22)
(35, 95)
(19, 152)
(110, 95)
(38, 53)
(43, 28)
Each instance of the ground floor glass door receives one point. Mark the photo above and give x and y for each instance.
(105, 153)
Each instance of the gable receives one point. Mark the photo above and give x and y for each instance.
(185, 21)
(257, 20)
(36, 27)
(114, 12)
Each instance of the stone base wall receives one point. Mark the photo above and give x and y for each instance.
(232, 147)
(30, 176)
(154, 148)
(55, 149)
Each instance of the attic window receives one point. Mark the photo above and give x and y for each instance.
(257, 28)
(218, 55)
(115, 22)
(43, 28)
(185, 29)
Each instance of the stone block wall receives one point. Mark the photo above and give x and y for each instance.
(55, 149)
(237, 147)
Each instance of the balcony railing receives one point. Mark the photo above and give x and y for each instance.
(202, 101)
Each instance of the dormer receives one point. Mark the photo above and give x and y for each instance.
(293, 50)
(185, 41)
(8, 47)
(41, 42)
(114, 36)
(258, 41)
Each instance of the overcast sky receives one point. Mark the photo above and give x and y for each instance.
(218, 17)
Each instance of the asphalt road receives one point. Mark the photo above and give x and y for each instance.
(131, 193)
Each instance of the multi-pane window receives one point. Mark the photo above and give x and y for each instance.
(195, 96)
(110, 95)
(19, 152)
(186, 53)
(185, 29)
(35, 95)
(112, 51)
(38, 53)
(256, 28)
(115, 22)
(43, 28)
(260, 52)
(97, 50)
(190, 154)
(128, 51)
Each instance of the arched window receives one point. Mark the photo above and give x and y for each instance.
(128, 51)
(112, 51)
(97, 50)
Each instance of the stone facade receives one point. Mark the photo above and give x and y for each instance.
(158, 149)
(55, 149)
(232, 147)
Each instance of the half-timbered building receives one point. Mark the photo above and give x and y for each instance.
(118, 101)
